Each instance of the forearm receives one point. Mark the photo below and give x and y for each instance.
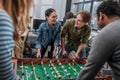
(55, 47)
(62, 43)
(81, 46)
(39, 50)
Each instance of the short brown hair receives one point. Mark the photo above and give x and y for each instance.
(85, 15)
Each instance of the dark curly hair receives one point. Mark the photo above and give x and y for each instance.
(109, 8)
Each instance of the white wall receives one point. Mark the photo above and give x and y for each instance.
(60, 6)
(41, 5)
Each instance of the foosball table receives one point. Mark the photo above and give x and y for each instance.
(50, 69)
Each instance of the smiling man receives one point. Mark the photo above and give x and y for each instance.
(77, 32)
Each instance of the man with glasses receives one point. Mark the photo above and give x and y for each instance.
(106, 45)
(75, 34)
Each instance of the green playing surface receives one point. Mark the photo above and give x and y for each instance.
(49, 71)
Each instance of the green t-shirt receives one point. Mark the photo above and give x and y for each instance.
(73, 35)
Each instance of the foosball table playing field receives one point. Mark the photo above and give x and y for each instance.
(50, 69)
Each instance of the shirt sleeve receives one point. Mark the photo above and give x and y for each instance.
(65, 29)
(86, 35)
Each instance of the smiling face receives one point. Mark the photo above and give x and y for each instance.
(52, 18)
(82, 18)
(79, 21)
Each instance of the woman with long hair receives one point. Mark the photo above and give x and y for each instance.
(13, 19)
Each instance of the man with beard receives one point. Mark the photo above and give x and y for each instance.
(106, 45)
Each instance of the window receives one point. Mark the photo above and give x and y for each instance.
(88, 0)
(78, 7)
(47, 2)
(95, 5)
(87, 6)
(76, 1)
(42, 11)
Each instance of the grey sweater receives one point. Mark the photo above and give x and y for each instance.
(105, 48)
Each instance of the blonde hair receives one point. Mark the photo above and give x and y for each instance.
(19, 13)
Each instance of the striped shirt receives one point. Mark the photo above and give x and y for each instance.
(6, 46)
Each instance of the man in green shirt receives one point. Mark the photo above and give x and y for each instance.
(76, 33)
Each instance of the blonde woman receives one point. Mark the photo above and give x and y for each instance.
(12, 25)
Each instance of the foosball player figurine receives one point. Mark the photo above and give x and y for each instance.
(56, 72)
(68, 74)
(62, 66)
(22, 71)
(33, 69)
(44, 69)
(23, 74)
(73, 62)
(22, 68)
(37, 78)
(48, 77)
(59, 76)
(69, 64)
(74, 71)
(65, 70)
(59, 63)
(55, 76)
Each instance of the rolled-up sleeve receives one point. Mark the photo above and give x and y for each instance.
(86, 36)
(65, 29)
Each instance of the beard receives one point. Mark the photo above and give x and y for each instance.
(101, 24)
